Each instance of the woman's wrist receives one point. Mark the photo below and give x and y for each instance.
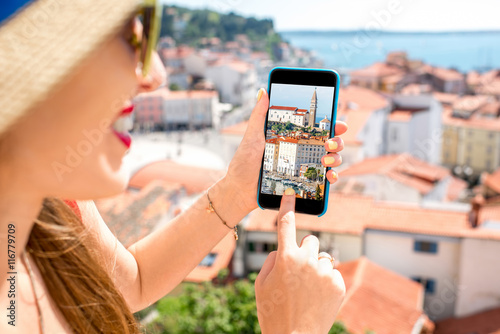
(227, 201)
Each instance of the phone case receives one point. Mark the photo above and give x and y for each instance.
(327, 187)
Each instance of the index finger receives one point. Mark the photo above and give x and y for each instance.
(287, 238)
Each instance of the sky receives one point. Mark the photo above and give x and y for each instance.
(395, 15)
(300, 96)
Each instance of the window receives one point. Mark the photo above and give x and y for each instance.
(261, 247)
(429, 284)
(425, 247)
(209, 260)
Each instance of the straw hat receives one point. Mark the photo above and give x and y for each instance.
(44, 41)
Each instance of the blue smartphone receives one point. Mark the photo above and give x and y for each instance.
(301, 118)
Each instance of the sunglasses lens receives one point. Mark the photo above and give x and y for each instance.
(151, 25)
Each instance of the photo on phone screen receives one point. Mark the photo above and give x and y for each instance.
(298, 124)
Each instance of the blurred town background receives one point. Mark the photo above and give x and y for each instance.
(414, 220)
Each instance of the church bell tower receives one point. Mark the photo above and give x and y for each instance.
(312, 109)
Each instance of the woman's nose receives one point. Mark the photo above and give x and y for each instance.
(155, 78)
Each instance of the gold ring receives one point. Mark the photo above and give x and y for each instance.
(327, 256)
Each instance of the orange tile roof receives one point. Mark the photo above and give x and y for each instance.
(289, 140)
(473, 122)
(193, 179)
(447, 98)
(403, 168)
(131, 216)
(236, 129)
(400, 116)
(283, 108)
(367, 101)
(378, 299)
(311, 142)
(224, 250)
(167, 94)
(377, 69)
(272, 140)
(445, 74)
(487, 322)
(353, 214)
(470, 102)
(456, 188)
(492, 181)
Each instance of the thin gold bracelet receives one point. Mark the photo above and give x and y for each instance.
(211, 209)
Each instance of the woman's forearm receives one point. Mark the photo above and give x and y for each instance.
(165, 257)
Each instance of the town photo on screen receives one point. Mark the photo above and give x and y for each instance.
(298, 124)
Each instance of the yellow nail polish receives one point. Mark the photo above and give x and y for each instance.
(329, 160)
(333, 145)
(289, 191)
(259, 94)
(334, 174)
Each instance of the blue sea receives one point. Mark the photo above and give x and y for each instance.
(346, 50)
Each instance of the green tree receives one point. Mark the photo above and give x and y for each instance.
(318, 193)
(212, 308)
(174, 87)
(289, 126)
(311, 173)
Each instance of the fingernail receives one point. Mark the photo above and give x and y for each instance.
(259, 94)
(334, 174)
(333, 145)
(329, 160)
(289, 191)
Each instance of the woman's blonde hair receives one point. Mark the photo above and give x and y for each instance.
(74, 274)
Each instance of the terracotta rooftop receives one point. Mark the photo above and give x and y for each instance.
(131, 216)
(377, 69)
(487, 322)
(445, 98)
(193, 179)
(311, 142)
(379, 300)
(356, 105)
(403, 168)
(444, 73)
(223, 252)
(400, 116)
(272, 140)
(167, 94)
(236, 129)
(353, 214)
(474, 121)
(492, 181)
(470, 102)
(283, 108)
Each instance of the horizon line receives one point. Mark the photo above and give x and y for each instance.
(311, 30)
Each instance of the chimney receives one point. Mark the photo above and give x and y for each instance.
(476, 204)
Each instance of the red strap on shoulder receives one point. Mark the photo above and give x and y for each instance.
(73, 205)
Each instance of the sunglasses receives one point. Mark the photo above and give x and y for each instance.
(150, 15)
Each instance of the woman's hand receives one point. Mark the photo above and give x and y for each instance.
(296, 292)
(242, 177)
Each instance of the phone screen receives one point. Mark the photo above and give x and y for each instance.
(300, 120)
